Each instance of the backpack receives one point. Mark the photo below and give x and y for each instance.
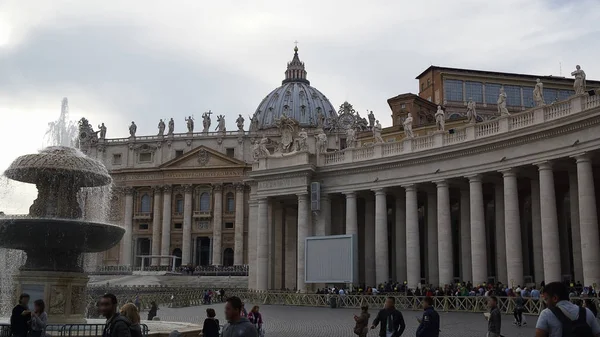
(573, 328)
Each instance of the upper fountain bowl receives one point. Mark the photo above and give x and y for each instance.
(59, 161)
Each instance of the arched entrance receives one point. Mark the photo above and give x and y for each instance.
(177, 252)
(228, 257)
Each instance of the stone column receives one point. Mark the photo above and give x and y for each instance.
(291, 241)
(262, 242)
(478, 239)
(165, 245)
(351, 215)
(588, 220)
(252, 243)
(304, 225)
(156, 223)
(550, 233)
(128, 236)
(400, 241)
(323, 226)
(536, 231)
(186, 242)
(413, 246)
(433, 276)
(217, 252)
(465, 236)
(575, 230)
(501, 272)
(238, 250)
(369, 251)
(382, 273)
(512, 229)
(278, 245)
(445, 260)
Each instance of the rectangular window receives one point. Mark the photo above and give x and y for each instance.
(474, 90)
(179, 206)
(528, 97)
(422, 86)
(178, 153)
(428, 81)
(550, 95)
(403, 106)
(117, 159)
(513, 95)
(177, 225)
(343, 143)
(229, 225)
(453, 90)
(145, 157)
(143, 226)
(491, 93)
(230, 152)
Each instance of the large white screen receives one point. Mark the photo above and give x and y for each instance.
(331, 259)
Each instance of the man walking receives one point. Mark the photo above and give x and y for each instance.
(116, 325)
(20, 316)
(237, 326)
(392, 321)
(429, 325)
(494, 318)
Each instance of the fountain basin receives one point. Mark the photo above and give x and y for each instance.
(57, 244)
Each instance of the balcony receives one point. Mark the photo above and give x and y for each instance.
(142, 216)
(178, 215)
(202, 214)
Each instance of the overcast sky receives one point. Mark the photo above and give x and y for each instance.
(142, 60)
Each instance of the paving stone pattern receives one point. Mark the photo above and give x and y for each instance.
(290, 321)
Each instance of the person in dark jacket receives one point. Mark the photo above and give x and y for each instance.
(20, 316)
(392, 321)
(116, 325)
(211, 324)
(494, 318)
(130, 311)
(429, 325)
(153, 310)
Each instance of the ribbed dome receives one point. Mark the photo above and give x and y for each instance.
(295, 98)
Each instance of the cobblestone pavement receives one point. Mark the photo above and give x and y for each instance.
(288, 321)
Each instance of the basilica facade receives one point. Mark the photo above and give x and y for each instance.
(431, 199)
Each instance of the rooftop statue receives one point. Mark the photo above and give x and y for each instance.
(171, 127)
(350, 138)
(377, 132)
(260, 149)
(86, 132)
(579, 84)
(538, 93)
(471, 111)
(322, 142)
(190, 124)
(102, 129)
(132, 129)
(408, 131)
(206, 121)
(220, 124)
(287, 129)
(440, 119)
(502, 110)
(240, 122)
(161, 128)
(253, 123)
(302, 141)
(371, 119)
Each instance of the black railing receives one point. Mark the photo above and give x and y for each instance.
(71, 330)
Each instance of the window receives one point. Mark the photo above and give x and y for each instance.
(230, 152)
(117, 159)
(550, 95)
(403, 106)
(177, 225)
(492, 91)
(565, 94)
(343, 143)
(230, 203)
(428, 81)
(422, 86)
(145, 157)
(229, 225)
(179, 204)
(513, 95)
(143, 226)
(146, 203)
(204, 202)
(528, 97)
(453, 90)
(178, 153)
(474, 90)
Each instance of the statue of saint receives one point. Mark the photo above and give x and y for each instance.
(171, 127)
(260, 149)
(320, 119)
(322, 142)
(440, 118)
(502, 110)
(579, 84)
(471, 111)
(220, 123)
(302, 141)
(102, 131)
(206, 121)
(350, 138)
(408, 126)
(371, 119)
(190, 124)
(377, 132)
(538, 93)
(161, 127)
(240, 122)
(132, 129)
(253, 123)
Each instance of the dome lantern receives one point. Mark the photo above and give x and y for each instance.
(295, 71)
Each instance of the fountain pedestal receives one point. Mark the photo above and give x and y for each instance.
(63, 292)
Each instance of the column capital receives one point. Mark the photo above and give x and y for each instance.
(379, 191)
(302, 196)
(128, 190)
(441, 183)
(509, 172)
(410, 187)
(473, 178)
(157, 189)
(262, 200)
(167, 188)
(188, 188)
(217, 187)
(240, 187)
(581, 157)
(349, 194)
(544, 165)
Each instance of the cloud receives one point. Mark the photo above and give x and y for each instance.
(145, 60)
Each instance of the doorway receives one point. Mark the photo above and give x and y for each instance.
(177, 252)
(203, 251)
(228, 257)
(143, 247)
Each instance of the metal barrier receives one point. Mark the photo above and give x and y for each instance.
(71, 330)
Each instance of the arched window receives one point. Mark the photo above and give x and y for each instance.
(204, 202)
(146, 203)
(230, 202)
(179, 203)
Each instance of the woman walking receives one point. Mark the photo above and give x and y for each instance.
(211, 324)
(130, 311)
(39, 319)
(153, 310)
(256, 318)
(362, 321)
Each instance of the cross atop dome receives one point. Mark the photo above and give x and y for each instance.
(295, 69)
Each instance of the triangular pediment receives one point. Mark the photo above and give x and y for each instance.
(203, 157)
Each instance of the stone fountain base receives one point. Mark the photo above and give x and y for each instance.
(63, 292)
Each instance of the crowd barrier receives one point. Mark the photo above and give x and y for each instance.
(71, 330)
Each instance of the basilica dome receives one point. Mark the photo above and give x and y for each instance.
(295, 98)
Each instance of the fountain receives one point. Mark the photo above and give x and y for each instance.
(54, 236)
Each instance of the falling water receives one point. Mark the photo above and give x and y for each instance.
(62, 132)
